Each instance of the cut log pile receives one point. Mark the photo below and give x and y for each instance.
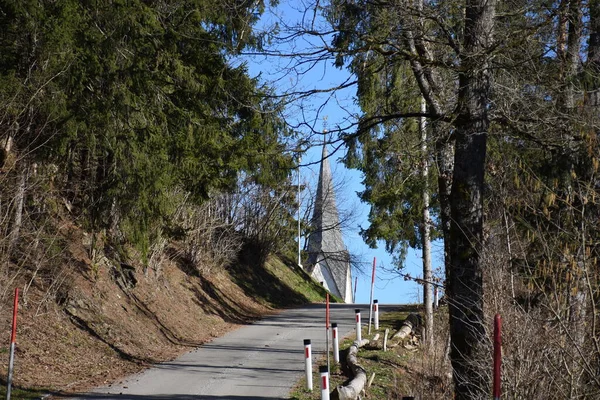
(357, 384)
(405, 335)
(407, 331)
(410, 323)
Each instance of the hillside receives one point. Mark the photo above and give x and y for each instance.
(105, 320)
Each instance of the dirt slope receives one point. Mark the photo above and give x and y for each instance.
(109, 321)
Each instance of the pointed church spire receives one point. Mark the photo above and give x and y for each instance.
(328, 259)
(326, 213)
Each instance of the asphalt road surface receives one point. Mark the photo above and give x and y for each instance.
(256, 362)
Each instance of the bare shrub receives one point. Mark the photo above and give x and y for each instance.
(543, 354)
(432, 378)
(33, 249)
(209, 240)
(157, 254)
(265, 218)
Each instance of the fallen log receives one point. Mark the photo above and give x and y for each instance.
(356, 385)
(408, 326)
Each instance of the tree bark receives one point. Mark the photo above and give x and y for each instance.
(592, 67)
(425, 233)
(466, 231)
(577, 293)
(428, 82)
(572, 54)
(592, 103)
(444, 159)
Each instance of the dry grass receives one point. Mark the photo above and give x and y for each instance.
(399, 371)
(91, 330)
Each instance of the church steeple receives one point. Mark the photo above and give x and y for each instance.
(328, 259)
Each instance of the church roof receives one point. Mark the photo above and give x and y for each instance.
(325, 244)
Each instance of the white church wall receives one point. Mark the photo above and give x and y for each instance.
(349, 297)
(322, 274)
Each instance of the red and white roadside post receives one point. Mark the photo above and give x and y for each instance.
(376, 314)
(13, 337)
(327, 328)
(497, 355)
(358, 327)
(336, 344)
(371, 297)
(308, 364)
(324, 372)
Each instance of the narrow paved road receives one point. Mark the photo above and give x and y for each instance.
(260, 361)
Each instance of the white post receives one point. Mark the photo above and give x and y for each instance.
(324, 371)
(376, 313)
(299, 203)
(327, 329)
(10, 370)
(358, 327)
(371, 297)
(435, 298)
(308, 364)
(336, 345)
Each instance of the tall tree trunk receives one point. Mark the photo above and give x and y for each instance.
(577, 292)
(593, 59)
(562, 29)
(444, 159)
(466, 231)
(592, 103)
(572, 54)
(426, 80)
(425, 232)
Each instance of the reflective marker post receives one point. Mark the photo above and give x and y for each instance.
(324, 372)
(376, 312)
(336, 345)
(327, 329)
(308, 364)
(13, 337)
(497, 355)
(358, 327)
(371, 297)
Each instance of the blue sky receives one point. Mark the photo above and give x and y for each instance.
(328, 111)
(389, 289)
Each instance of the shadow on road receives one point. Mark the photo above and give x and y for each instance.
(100, 396)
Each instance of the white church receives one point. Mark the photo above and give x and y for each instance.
(328, 257)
